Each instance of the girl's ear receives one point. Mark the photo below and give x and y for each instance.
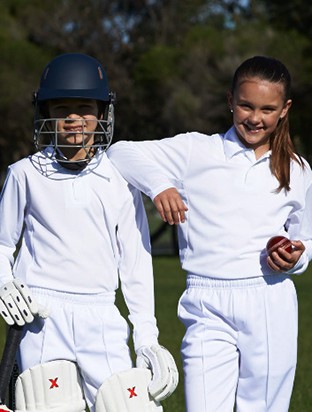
(286, 108)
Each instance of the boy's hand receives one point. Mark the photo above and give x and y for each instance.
(17, 305)
(170, 206)
(165, 375)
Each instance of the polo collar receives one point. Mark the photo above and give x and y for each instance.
(233, 146)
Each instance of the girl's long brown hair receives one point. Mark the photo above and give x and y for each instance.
(282, 147)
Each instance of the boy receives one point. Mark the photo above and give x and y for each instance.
(82, 228)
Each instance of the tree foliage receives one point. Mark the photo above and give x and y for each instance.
(170, 62)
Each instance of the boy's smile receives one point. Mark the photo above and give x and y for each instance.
(75, 121)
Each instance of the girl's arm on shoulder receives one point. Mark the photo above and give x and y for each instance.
(152, 166)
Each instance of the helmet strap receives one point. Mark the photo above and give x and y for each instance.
(78, 164)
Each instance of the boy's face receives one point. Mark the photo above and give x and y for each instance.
(76, 120)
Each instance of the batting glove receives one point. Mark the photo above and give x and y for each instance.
(17, 304)
(165, 375)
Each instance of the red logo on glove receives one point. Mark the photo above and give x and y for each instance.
(132, 392)
(54, 383)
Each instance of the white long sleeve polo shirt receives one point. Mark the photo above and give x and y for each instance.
(81, 231)
(233, 206)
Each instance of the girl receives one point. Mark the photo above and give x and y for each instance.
(232, 192)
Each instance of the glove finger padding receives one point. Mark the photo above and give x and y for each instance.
(6, 316)
(34, 306)
(165, 376)
(17, 304)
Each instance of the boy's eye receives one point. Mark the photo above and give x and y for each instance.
(87, 107)
(59, 107)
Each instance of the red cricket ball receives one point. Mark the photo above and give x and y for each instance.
(278, 241)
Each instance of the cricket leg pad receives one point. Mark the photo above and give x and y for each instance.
(127, 391)
(53, 386)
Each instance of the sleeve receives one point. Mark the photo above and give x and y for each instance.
(153, 166)
(12, 206)
(305, 233)
(136, 271)
(300, 228)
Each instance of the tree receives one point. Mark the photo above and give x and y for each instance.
(170, 62)
(20, 63)
(294, 14)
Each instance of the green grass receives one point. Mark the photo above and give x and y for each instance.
(302, 395)
(169, 284)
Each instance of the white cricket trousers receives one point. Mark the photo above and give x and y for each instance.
(86, 329)
(240, 345)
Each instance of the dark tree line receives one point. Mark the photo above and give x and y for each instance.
(169, 61)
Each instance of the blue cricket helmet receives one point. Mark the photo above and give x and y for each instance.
(73, 75)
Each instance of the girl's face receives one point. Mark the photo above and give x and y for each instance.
(257, 106)
(75, 124)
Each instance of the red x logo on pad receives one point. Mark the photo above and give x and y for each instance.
(54, 383)
(132, 392)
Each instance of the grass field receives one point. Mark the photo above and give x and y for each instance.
(169, 284)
